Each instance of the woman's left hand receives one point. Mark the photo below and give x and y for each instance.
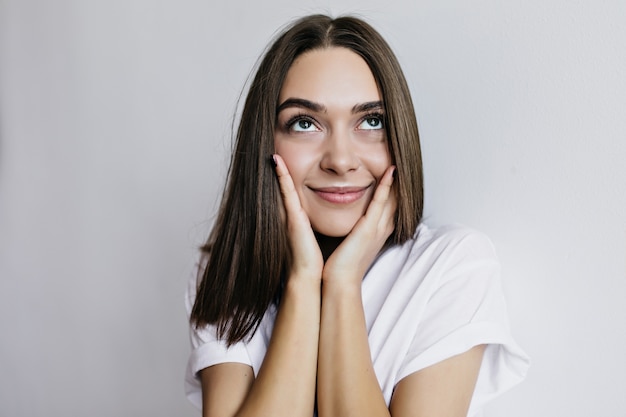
(349, 262)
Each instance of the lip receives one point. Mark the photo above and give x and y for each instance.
(340, 195)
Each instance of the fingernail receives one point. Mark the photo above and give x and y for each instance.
(273, 160)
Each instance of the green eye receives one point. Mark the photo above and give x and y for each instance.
(371, 123)
(302, 124)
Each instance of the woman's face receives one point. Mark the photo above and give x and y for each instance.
(330, 133)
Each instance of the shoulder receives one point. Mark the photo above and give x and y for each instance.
(450, 244)
(455, 257)
(434, 257)
(452, 235)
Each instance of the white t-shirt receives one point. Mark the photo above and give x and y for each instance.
(434, 297)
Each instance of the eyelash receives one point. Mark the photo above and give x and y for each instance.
(374, 115)
(298, 117)
(302, 116)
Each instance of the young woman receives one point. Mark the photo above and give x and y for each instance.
(320, 291)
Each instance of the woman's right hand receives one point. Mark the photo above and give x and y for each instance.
(285, 382)
(306, 257)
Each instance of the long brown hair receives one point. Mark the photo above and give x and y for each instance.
(247, 252)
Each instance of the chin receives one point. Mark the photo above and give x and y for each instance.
(334, 229)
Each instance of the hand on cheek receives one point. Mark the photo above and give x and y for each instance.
(349, 262)
(307, 261)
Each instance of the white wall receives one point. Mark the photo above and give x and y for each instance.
(114, 123)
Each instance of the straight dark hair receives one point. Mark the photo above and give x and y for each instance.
(247, 255)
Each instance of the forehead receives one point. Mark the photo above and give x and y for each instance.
(330, 76)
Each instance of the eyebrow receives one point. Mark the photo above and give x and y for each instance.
(317, 107)
(300, 102)
(369, 106)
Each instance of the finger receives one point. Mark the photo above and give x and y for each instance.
(388, 216)
(287, 187)
(307, 257)
(381, 195)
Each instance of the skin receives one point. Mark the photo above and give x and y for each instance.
(331, 137)
(319, 347)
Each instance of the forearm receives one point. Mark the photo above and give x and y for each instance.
(285, 384)
(347, 384)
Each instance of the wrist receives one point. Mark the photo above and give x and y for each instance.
(303, 283)
(344, 288)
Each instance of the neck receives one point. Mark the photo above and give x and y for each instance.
(328, 244)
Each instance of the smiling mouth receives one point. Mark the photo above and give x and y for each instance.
(341, 195)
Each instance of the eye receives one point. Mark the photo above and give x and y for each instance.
(301, 123)
(371, 122)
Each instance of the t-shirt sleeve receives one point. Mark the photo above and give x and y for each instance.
(466, 308)
(207, 350)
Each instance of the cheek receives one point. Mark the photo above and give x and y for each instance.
(378, 161)
(298, 161)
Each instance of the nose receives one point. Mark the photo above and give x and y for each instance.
(339, 156)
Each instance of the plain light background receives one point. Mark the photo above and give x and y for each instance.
(114, 140)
